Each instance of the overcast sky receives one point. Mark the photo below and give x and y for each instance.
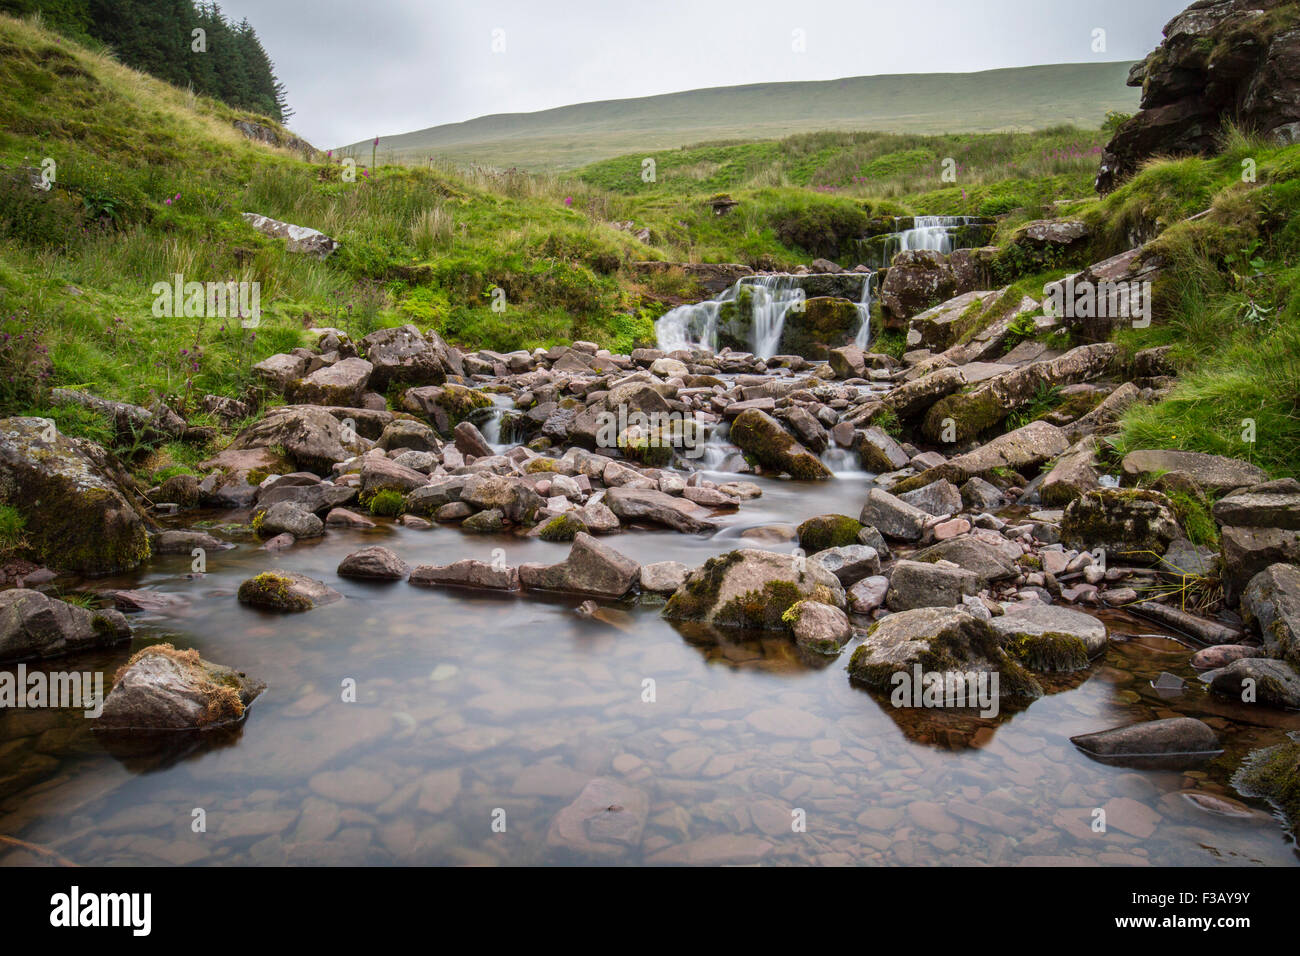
(361, 68)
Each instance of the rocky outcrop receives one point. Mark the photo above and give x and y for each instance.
(1219, 58)
(78, 514)
(298, 239)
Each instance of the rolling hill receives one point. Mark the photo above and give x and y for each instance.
(1023, 98)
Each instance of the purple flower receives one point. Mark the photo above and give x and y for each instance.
(568, 200)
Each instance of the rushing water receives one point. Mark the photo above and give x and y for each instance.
(935, 233)
(471, 705)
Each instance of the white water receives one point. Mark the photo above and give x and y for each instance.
(692, 327)
(491, 426)
(933, 233)
(841, 461)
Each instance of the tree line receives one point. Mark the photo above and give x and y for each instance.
(158, 37)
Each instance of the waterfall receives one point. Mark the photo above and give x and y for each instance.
(863, 338)
(769, 301)
(935, 233)
(490, 427)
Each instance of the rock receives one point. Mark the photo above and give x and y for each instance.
(1217, 59)
(34, 626)
(561, 528)
(410, 434)
(914, 584)
(285, 517)
(184, 542)
(978, 495)
(1200, 629)
(591, 568)
(375, 563)
(663, 577)
(470, 441)
(893, 517)
(868, 594)
(604, 822)
(847, 362)
(1258, 680)
(940, 327)
(310, 436)
(634, 504)
(1018, 450)
(751, 589)
(279, 542)
(467, 573)
(286, 591)
(406, 356)
(1271, 774)
(1274, 504)
(762, 436)
(912, 398)
(964, 415)
(71, 495)
(342, 383)
(850, 563)
(900, 643)
(140, 599)
(279, 370)
(1171, 737)
(384, 474)
(1247, 551)
(342, 518)
(939, 498)
(163, 689)
(1051, 638)
(828, 531)
(517, 502)
(1212, 473)
(491, 521)
(182, 490)
(916, 281)
(1073, 475)
(298, 239)
(1212, 658)
(1129, 523)
(1272, 604)
(818, 627)
(878, 452)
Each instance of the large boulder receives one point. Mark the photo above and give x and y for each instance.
(1272, 603)
(1213, 474)
(71, 495)
(343, 383)
(302, 240)
(893, 517)
(1247, 551)
(407, 356)
(517, 502)
(964, 415)
(1073, 475)
(916, 281)
(286, 591)
(163, 689)
(34, 626)
(751, 589)
(1220, 59)
(914, 584)
(375, 563)
(945, 641)
(286, 517)
(828, 531)
(991, 558)
(1273, 504)
(1273, 774)
(1258, 680)
(760, 435)
(467, 573)
(1130, 523)
(591, 568)
(1025, 448)
(311, 437)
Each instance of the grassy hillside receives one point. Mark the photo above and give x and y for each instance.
(152, 181)
(1025, 98)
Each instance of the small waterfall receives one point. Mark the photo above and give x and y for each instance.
(863, 338)
(768, 300)
(490, 426)
(842, 461)
(935, 233)
(716, 449)
(931, 232)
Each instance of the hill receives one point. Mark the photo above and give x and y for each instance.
(1024, 98)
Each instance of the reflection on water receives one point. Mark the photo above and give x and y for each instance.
(474, 708)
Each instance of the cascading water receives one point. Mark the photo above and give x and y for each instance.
(769, 301)
(490, 427)
(935, 233)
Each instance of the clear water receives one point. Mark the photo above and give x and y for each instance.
(468, 705)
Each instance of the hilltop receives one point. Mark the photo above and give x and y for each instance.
(1021, 99)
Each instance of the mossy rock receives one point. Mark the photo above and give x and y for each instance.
(828, 531)
(1273, 774)
(563, 527)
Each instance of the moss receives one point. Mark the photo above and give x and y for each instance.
(972, 414)
(563, 527)
(272, 590)
(539, 465)
(220, 687)
(460, 402)
(695, 599)
(258, 520)
(1048, 651)
(793, 613)
(760, 609)
(1273, 774)
(828, 531)
(387, 503)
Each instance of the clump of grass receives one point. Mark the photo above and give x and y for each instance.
(387, 503)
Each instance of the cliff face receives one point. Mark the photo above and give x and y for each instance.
(1221, 61)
